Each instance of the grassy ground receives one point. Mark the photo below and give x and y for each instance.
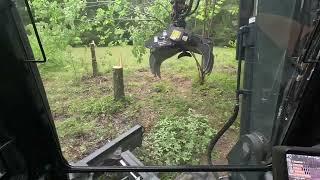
(86, 116)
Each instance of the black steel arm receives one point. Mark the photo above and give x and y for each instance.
(201, 168)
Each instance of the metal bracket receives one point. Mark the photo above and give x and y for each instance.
(127, 141)
(131, 160)
(111, 153)
(246, 39)
(240, 42)
(245, 92)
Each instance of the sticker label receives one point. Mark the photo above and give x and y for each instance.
(175, 35)
(252, 20)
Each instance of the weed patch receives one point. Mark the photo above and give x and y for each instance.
(169, 104)
(178, 140)
(96, 106)
(162, 87)
(71, 128)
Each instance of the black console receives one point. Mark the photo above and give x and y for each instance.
(296, 163)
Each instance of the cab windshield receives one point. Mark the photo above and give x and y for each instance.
(100, 87)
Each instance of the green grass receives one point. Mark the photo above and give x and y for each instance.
(97, 106)
(86, 115)
(72, 128)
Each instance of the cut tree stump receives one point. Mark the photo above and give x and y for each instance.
(94, 59)
(118, 86)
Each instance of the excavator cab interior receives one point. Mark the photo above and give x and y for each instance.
(277, 101)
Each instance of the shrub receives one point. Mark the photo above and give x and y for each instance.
(178, 140)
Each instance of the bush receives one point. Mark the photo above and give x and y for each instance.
(178, 140)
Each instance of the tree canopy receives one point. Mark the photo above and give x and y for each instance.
(63, 23)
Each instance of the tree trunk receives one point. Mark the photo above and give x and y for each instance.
(211, 26)
(94, 59)
(204, 30)
(118, 85)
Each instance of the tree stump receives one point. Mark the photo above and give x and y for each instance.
(94, 59)
(118, 85)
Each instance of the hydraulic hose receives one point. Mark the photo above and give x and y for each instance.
(195, 8)
(216, 138)
(234, 116)
(188, 10)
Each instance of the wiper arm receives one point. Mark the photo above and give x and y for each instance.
(304, 67)
(311, 51)
(305, 63)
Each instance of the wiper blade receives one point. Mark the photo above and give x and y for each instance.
(312, 48)
(305, 64)
(296, 86)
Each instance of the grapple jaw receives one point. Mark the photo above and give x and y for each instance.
(178, 40)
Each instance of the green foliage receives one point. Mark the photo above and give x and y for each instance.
(108, 24)
(232, 44)
(217, 19)
(138, 40)
(96, 106)
(168, 103)
(157, 17)
(207, 12)
(59, 25)
(120, 22)
(178, 140)
(225, 23)
(219, 16)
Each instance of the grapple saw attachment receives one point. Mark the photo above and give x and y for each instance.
(178, 40)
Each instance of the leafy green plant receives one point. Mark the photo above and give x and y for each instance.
(109, 23)
(59, 25)
(232, 44)
(178, 140)
(150, 18)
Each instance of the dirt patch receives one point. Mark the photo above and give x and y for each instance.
(227, 69)
(121, 123)
(77, 148)
(143, 88)
(148, 118)
(95, 80)
(139, 84)
(59, 116)
(183, 85)
(224, 146)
